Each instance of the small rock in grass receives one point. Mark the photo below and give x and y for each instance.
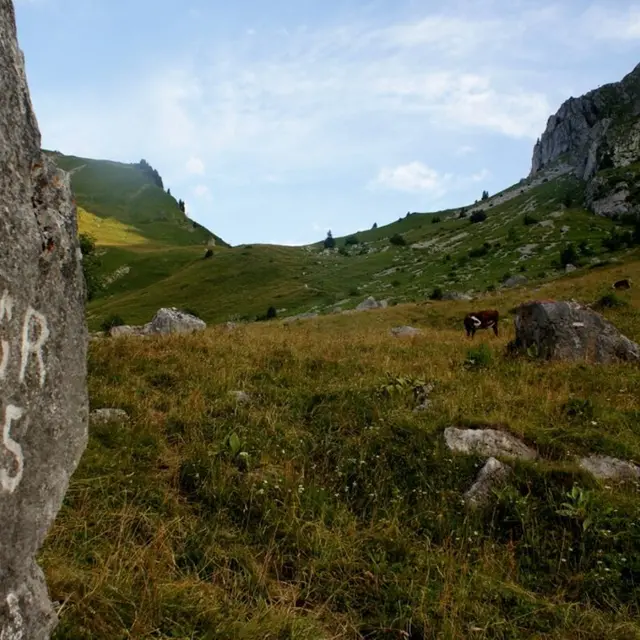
(487, 442)
(607, 468)
(241, 397)
(491, 475)
(405, 332)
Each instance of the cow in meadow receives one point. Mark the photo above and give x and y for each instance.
(622, 284)
(487, 319)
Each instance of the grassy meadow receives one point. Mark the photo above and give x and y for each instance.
(326, 508)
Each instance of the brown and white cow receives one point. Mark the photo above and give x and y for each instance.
(622, 284)
(487, 319)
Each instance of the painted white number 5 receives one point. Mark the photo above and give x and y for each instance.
(10, 482)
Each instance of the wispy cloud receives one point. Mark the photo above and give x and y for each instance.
(195, 166)
(414, 176)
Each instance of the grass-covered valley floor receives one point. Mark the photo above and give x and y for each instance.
(327, 509)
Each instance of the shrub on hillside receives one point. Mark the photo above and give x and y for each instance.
(485, 195)
(208, 254)
(478, 216)
(398, 240)
(436, 219)
(329, 242)
(569, 255)
(530, 220)
(270, 315)
(90, 265)
(351, 240)
(479, 252)
(114, 320)
(437, 294)
(610, 301)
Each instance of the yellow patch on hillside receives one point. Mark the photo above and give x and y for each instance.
(108, 231)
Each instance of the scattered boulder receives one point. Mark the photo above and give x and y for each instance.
(493, 474)
(241, 397)
(371, 303)
(126, 330)
(456, 295)
(515, 281)
(570, 268)
(230, 326)
(301, 316)
(569, 331)
(606, 468)
(422, 395)
(405, 332)
(43, 351)
(174, 321)
(487, 442)
(103, 416)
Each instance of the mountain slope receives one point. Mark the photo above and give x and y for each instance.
(524, 233)
(127, 194)
(587, 161)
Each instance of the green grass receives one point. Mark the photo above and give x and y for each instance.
(326, 508)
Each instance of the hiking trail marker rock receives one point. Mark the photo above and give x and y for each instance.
(43, 342)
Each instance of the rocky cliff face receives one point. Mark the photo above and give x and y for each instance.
(597, 137)
(600, 130)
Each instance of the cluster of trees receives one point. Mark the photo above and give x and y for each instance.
(151, 173)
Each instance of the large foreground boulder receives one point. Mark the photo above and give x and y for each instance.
(43, 344)
(568, 331)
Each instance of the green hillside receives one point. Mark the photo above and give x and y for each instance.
(526, 229)
(127, 194)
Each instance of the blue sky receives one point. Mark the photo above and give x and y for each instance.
(276, 121)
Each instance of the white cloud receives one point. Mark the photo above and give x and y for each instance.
(202, 191)
(612, 23)
(464, 150)
(195, 166)
(415, 177)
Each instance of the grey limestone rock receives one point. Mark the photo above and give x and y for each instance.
(487, 442)
(43, 345)
(174, 321)
(371, 303)
(405, 332)
(569, 331)
(515, 281)
(493, 474)
(241, 397)
(607, 468)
